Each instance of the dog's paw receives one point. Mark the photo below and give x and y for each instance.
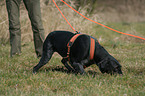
(34, 71)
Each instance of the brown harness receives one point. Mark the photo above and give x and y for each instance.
(70, 43)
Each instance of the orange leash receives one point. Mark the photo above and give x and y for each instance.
(102, 24)
(70, 43)
(63, 16)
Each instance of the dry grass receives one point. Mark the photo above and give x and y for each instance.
(4, 33)
(52, 20)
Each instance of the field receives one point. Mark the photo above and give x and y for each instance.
(16, 78)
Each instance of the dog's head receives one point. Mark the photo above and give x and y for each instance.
(110, 65)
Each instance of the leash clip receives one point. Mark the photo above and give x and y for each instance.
(77, 32)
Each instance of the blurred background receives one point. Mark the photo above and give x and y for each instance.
(129, 13)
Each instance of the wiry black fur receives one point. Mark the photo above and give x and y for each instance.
(79, 53)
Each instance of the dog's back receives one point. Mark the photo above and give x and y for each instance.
(59, 40)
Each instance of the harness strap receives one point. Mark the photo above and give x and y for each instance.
(92, 48)
(72, 40)
(70, 43)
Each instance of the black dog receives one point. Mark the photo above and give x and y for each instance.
(79, 53)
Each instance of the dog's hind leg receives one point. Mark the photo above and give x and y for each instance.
(78, 68)
(64, 61)
(46, 56)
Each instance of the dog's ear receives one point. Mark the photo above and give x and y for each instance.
(115, 64)
(102, 66)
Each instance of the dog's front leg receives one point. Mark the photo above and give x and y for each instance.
(78, 68)
(64, 61)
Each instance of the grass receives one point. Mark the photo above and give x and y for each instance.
(52, 79)
(16, 76)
